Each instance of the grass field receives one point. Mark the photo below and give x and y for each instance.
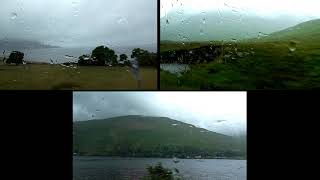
(57, 77)
(260, 65)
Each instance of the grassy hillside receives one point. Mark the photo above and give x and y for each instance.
(150, 137)
(305, 32)
(288, 59)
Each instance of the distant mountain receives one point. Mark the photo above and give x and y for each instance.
(144, 136)
(219, 26)
(19, 44)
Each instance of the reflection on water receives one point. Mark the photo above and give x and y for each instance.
(175, 68)
(105, 168)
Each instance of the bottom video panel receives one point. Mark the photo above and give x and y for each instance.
(159, 135)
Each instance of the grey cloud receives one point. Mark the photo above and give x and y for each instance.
(82, 23)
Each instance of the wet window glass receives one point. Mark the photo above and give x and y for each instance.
(159, 135)
(239, 45)
(78, 44)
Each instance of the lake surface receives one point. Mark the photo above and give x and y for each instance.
(105, 168)
(61, 55)
(175, 68)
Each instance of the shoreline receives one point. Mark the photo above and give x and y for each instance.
(155, 157)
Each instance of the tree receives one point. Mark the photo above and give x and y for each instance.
(104, 55)
(85, 60)
(15, 57)
(123, 57)
(144, 57)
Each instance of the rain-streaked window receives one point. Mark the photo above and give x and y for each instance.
(78, 44)
(239, 45)
(159, 135)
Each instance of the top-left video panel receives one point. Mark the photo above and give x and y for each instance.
(78, 45)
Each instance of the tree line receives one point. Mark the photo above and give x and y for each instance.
(102, 55)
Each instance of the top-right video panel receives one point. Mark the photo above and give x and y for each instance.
(239, 45)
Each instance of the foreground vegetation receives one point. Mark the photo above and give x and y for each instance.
(158, 172)
(59, 77)
(288, 59)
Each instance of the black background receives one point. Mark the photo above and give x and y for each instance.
(36, 133)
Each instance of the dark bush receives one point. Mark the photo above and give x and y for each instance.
(15, 57)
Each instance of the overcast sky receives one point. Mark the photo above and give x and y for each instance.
(309, 9)
(80, 22)
(223, 112)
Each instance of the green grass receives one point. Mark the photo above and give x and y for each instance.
(56, 77)
(271, 65)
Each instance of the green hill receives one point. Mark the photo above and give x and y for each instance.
(305, 32)
(142, 136)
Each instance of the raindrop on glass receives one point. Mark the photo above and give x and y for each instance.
(203, 20)
(175, 160)
(292, 46)
(201, 32)
(14, 15)
(122, 21)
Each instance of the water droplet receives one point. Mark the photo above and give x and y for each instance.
(240, 54)
(201, 32)
(175, 160)
(203, 20)
(292, 46)
(261, 34)
(220, 121)
(14, 15)
(122, 21)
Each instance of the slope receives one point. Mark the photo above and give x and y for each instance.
(150, 136)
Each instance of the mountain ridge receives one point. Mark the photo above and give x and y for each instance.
(147, 136)
(19, 44)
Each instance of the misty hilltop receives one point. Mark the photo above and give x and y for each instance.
(146, 136)
(19, 44)
(220, 26)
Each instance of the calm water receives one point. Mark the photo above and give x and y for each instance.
(104, 168)
(175, 68)
(58, 55)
